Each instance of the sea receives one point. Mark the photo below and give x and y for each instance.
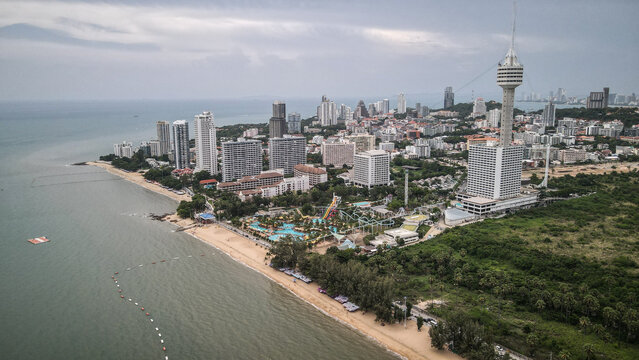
(59, 300)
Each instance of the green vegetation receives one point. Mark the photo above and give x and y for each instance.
(561, 278)
(629, 116)
(134, 163)
(426, 169)
(189, 208)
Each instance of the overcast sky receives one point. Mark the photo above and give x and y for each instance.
(218, 49)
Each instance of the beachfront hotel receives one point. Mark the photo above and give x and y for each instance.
(164, 137)
(205, 143)
(241, 158)
(285, 153)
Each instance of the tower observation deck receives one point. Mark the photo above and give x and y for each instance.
(510, 74)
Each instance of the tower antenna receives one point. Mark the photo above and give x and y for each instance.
(512, 40)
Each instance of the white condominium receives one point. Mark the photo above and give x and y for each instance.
(401, 104)
(494, 172)
(294, 123)
(338, 154)
(181, 144)
(123, 150)
(493, 117)
(285, 153)
(164, 136)
(327, 112)
(241, 158)
(371, 168)
(205, 143)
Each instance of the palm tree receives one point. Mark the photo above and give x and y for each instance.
(584, 322)
(589, 349)
(565, 355)
(540, 305)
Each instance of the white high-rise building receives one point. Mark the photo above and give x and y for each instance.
(327, 112)
(401, 104)
(154, 147)
(241, 158)
(494, 172)
(371, 168)
(337, 154)
(181, 144)
(123, 150)
(493, 117)
(164, 136)
(479, 107)
(385, 106)
(205, 143)
(285, 153)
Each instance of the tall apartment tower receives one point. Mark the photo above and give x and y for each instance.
(164, 136)
(449, 97)
(327, 112)
(181, 144)
(294, 123)
(385, 106)
(205, 143)
(241, 158)
(548, 116)
(401, 104)
(277, 124)
(285, 153)
(371, 168)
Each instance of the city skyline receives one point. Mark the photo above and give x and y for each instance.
(117, 50)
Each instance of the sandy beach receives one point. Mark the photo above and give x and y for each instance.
(407, 342)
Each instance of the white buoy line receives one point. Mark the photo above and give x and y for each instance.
(139, 304)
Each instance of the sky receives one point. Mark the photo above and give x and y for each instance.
(275, 48)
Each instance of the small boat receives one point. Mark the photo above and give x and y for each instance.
(39, 240)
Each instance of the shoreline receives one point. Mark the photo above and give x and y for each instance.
(406, 343)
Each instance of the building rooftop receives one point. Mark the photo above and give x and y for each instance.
(309, 169)
(457, 214)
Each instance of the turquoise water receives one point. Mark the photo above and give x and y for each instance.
(58, 299)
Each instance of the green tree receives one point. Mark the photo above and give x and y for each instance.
(420, 323)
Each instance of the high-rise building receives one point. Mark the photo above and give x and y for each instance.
(294, 123)
(494, 117)
(548, 116)
(418, 110)
(277, 124)
(241, 158)
(494, 172)
(164, 136)
(385, 106)
(510, 74)
(371, 168)
(123, 150)
(363, 142)
(561, 95)
(361, 108)
(337, 154)
(154, 147)
(342, 112)
(598, 100)
(205, 143)
(401, 104)
(479, 107)
(449, 97)
(327, 112)
(285, 153)
(181, 144)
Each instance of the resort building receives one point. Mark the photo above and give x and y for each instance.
(338, 154)
(285, 153)
(315, 175)
(252, 182)
(371, 168)
(155, 148)
(241, 158)
(205, 143)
